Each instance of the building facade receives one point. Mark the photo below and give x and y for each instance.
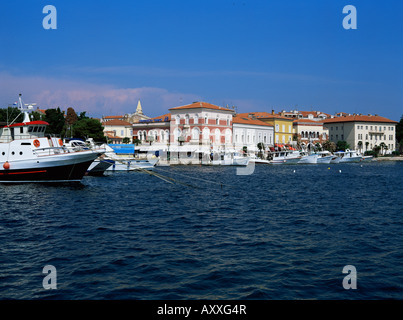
(363, 132)
(248, 132)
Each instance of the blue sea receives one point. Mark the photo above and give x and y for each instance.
(202, 232)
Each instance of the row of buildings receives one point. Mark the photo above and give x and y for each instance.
(207, 127)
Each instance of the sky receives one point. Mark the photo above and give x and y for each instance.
(256, 55)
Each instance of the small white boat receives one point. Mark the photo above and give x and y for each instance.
(127, 162)
(308, 158)
(230, 159)
(324, 157)
(257, 160)
(348, 156)
(285, 157)
(99, 165)
(367, 158)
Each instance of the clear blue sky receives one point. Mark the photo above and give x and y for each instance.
(258, 55)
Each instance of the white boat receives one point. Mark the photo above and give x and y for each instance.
(99, 165)
(335, 158)
(230, 159)
(284, 157)
(128, 162)
(367, 158)
(308, 158)
(257, 160)
(27, 155)
(324, 157)
(349, 156)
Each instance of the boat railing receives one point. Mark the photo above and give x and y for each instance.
(40, 152)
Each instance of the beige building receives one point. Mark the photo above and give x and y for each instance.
(116, 130)
(363, 132)
(310, 131)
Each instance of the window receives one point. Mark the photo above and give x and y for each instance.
(187, 119)
(22, 130)
(178, 119)
(277, 128)
(217, 121)
(289, 129)
(283, 127)
(196, 119)
(205, 120)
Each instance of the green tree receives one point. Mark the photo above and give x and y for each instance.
(399, 131)
(366, 145)
(136, 141)
(376, 150)
(89, 128)
(382, 145)
(329, 146)
(71, 119)
(342, 145)
(7, 115)
(360, 145)
(260, 146)
(55, 118)
(126, 140)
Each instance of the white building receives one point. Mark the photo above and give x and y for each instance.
(248, 132)
(363, 132)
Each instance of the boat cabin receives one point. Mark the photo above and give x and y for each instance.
(24, 130)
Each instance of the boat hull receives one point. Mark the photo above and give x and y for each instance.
(99, 166)
(62, 173)
(131, 165)
(325, 159)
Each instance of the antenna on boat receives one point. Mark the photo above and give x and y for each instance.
(25, 109)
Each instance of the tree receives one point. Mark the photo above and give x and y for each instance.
(376, 150)
(399, 131)
(318, 146)
(7, 115)
(383, 146)
(329, 146)
(126, 140)
(260, 146)
(366, 145)
(55, 118)
(136, 141)
(342, 145)
(89, 128)
(360, 145)
(71, 119)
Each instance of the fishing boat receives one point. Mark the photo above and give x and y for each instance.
(28, 155)
(257, 160)
(349, 156)
(230, 159)
(324, 157)
(308, 158)
(284, 157)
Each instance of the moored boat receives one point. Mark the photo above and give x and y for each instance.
(27, 155)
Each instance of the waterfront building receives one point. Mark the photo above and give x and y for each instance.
(202, 124)
(116, 130)
(309, 132)
(310, 115)
(153, 134)
(363, 132)
(283, 126)
(248, 131)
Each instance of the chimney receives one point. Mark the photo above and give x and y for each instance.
(272, 112)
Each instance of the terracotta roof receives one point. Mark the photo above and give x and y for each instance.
(168, 115)
(359, 118)
(201, 105)
(267, 115)
(308, 122)
(116, 122)
(314, 113)
(245, 119)
(113, 117)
